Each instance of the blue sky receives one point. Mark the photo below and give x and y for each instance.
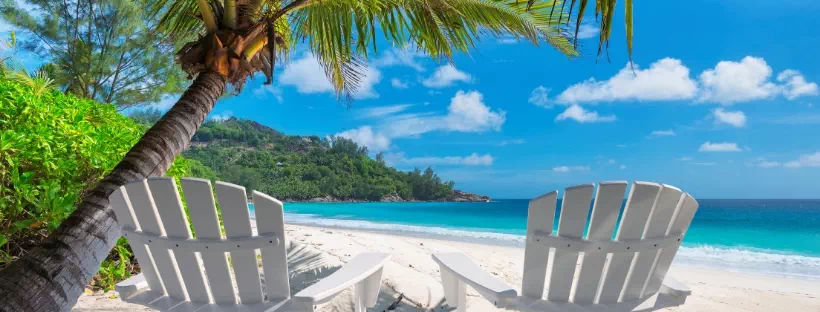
(723, 104)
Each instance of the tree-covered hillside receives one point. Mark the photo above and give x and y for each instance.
(288, 167)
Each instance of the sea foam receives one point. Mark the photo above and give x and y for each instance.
(747, 260)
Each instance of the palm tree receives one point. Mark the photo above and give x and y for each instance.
(233, 39)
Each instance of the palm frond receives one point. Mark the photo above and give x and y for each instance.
(342, 32)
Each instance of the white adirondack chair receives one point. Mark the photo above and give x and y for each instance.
(589, 271)
(183, 273)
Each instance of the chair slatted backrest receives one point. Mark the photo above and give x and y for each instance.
(154, 220)
(629, 267)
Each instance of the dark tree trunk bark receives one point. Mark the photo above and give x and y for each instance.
(53, 276)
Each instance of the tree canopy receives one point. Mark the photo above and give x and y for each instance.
(107, 50)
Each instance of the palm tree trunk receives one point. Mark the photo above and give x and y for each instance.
(53, 276)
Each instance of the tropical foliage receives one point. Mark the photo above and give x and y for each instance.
(53, 147)
(103, 50)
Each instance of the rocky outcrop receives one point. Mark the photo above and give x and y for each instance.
(460, 196)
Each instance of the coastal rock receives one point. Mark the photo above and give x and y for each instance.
(460, 196)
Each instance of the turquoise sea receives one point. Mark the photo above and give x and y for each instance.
(772, 237)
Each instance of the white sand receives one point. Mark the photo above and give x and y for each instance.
(316, 252)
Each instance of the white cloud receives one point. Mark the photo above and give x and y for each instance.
(623, 167)
(221, 117)
(587, 31)
(661, 133)
(795, 85)
(400, 57)
(704, 163)
(365, 135)
(445, 76)
(270, 90)
(666, 79)
(611, 161)
(539, 97)
(382, 111)
(398, 84)
(808, 160)
(685, 158)
(308, 76)
(736, 119)
(468, 113)
(730, 82)
(579, 114)
(473, 159)
(719, 147)
(564, 169)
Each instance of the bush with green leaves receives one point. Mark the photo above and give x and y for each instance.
(53, 148)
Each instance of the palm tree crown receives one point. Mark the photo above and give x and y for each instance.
(237, 38)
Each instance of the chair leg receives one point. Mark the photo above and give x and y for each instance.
(455, 291)
(367, 291)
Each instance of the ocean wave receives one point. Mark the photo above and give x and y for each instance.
(768, 262)
(747, 260)
(473, 235)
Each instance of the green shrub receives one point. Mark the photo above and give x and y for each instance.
(53, 148)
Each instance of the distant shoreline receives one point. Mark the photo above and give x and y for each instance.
(457, 197)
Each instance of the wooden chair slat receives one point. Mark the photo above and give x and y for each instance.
(571, 224)
(235, 214)
(148, 218)
(200, 199)
(167, 199)
(608, 200)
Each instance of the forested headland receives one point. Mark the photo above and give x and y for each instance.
(305, 168)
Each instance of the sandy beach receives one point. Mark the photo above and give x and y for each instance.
(316, 252)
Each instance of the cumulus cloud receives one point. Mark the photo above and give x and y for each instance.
(666, 79)
(730, 82)
(308, 76)
(736, 119)
(719, 147)
(564, 169)
(445, 76)
(399, 84)
(587, 31)
(539, 97)
(579, 114)
(400, 57)
(808, 160)
(795, 85)
(365, 136)
(662, 133)
(473, 159)
(685, 158)
(467, 112)
(623, 167)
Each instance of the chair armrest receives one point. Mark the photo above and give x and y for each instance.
(131, 286)
(365, 267)
(674, 288)
(466, 271)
